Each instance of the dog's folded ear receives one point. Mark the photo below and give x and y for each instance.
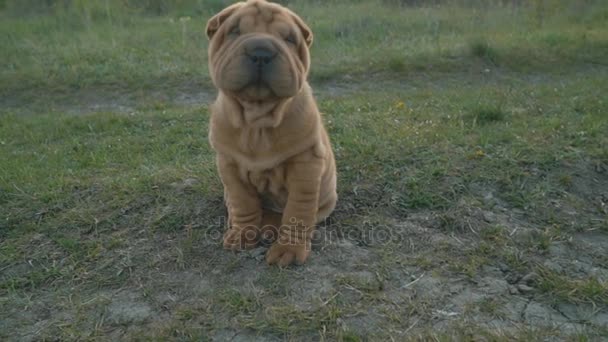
(306, 31)
(217, 20)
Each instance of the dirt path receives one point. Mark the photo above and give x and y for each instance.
(194, 93)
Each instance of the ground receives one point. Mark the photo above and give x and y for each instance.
(473, 185)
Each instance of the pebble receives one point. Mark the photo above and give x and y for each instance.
(504, 267)
(258, 253)
(524, 288)
(489, 216)
(513, 278)
(529, 278)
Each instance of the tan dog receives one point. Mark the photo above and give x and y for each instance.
(273, 153)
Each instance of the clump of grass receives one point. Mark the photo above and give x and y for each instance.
(289, 321)
(491, 307)
(350, 337)
(515, 259)
(494, 234)
(368, 286)
(396, 64)
(565, 180)
(31, 280)
(483, 50)
(561, 288)
(488, 113)
(470, 265)
(237, 302)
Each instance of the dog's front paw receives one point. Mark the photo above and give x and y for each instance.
(285, 254)
(244, 238)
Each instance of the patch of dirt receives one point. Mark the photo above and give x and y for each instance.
(397, 289)
(119, 99)
(128, 308)
(109, 99)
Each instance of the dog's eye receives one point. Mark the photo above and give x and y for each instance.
(235, 31)
(291, 39)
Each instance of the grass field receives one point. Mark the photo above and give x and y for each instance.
(472, 150)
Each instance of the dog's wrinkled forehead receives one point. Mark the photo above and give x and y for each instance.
(260, 19)
(259, 16)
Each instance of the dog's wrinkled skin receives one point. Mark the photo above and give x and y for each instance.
(273, 154)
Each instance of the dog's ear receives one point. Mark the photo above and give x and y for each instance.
(306, 32)
(217, 20)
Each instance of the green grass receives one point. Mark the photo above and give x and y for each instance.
(484, 51)
(561, 288)
(115, 47)
(289, 321)
(482, 127)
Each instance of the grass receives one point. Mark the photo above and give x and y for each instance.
(486, 113)
(483, 50)
(114, 48)
(289, 321)
(473, 136)
(561, 288)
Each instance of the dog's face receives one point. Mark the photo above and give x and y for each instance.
(258, 51)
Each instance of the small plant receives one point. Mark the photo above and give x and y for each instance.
(565, 180)
(482, 49)
(237, 302)
(486, 113)
(396, 64)
(490, 306)
(560, 288)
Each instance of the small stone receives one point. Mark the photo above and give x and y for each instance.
(524, 288)
(529, 278)
(600, 319)
(574, 312)
(343, 243)
(187, 185)
(504, 267)
(538, 314)
(495, 285)
(513, 290)
(513, 278)
(489, 216)
(258, 253)
(190, 182)
(553, 266)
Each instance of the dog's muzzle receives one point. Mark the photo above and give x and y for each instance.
(261, 55)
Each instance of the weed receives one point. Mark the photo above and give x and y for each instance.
(562, 288)
(237, 302)
(486, 114)
(483, 50)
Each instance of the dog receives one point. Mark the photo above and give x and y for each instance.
(273, 154)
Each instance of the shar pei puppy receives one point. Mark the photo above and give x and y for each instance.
(273, 153)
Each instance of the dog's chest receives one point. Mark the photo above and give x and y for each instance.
(270, 185)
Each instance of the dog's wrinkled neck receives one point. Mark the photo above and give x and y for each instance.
(266, 114)
(255, 114)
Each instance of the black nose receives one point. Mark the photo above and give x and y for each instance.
(261, 56)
